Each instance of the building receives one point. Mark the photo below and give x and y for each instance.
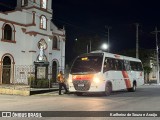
(23, 32)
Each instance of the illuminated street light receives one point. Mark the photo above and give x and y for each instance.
(104, 46)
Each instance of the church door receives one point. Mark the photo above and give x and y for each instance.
(54, 71)
(6, 70)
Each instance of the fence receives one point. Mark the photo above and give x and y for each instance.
(25, 75)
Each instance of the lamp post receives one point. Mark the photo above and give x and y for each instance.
(157, 53)
(108, 35)
(89, 46)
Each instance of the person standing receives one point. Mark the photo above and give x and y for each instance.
(61, 82)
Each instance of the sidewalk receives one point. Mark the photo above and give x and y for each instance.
(51, 93)
(25, 90)
(47, 91)
(34, 91)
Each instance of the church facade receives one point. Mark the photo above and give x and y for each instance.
(24, 31)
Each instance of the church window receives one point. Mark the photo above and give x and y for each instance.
(24, 3)
(56, 43)
(43, 22)
(7, 32)
(44, 4)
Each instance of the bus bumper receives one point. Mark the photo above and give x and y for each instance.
(93, 88)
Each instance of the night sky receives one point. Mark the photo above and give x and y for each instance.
(89, 17)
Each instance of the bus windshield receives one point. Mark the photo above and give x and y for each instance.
(87, 64)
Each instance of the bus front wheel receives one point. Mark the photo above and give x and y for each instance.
(108, 89)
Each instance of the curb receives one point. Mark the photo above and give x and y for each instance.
(42, 91)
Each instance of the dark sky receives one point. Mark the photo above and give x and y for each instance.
(89, 17)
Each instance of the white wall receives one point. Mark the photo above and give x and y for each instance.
(26, 42)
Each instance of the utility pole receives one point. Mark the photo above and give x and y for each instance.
(137, 41)
(108, 32)
(87, 48)
(90, 44)
(157, 52)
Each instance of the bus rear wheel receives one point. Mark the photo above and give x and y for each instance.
(108, 89)
(133, 89)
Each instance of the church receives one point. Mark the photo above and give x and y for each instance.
(24, 31)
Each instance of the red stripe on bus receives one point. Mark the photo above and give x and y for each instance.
(126, 79)
(82, 77)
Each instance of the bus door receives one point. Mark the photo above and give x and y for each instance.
(110, 72)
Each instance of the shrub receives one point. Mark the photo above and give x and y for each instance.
(42, 83)
(31, 81)
(39, 83)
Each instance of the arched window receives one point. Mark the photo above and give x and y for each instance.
(24, 3)
(7, 32)
(43, 22)
(55, 43)
(54, 70)
(44, 4)
(6, 75)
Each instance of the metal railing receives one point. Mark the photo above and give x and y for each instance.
(24, 75)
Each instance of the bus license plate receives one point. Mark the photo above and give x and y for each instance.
(80, 85)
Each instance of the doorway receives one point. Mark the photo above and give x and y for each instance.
(6, 74)
(54, 71)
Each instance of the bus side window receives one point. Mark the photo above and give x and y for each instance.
(127, 65)
(133, 66)
(115, 64)
(111, 64)
(136, 66)
(119, 65)
(139, 66)
(106, 65)
(123, 67)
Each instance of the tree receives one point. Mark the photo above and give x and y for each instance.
(147, 70)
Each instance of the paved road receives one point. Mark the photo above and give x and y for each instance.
(147, 98)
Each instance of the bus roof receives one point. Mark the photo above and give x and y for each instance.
(111, 55)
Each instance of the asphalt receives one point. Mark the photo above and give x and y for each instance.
(55, 91)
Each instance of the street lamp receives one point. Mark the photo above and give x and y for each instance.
(104, 46)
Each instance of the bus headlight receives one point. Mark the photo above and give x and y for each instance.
(69, 80)
(96, 79)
